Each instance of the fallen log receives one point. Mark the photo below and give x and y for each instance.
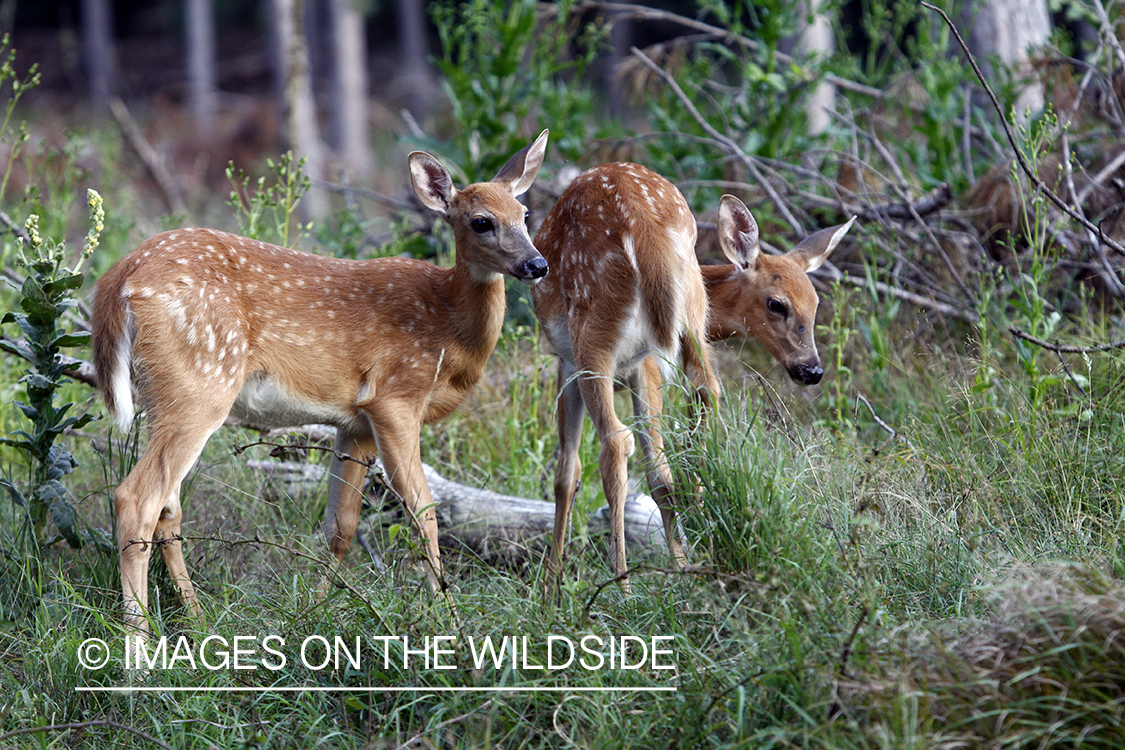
(498, 529)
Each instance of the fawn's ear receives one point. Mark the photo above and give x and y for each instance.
(431, 181)
(738, 233)
(812, 251)
(517, 175)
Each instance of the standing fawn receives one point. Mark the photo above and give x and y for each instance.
(625, 300)
(204, 325)
(613, 240)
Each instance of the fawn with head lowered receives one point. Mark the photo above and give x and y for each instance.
(627, 298)
(202, 325)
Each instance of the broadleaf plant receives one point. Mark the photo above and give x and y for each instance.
(46, 295)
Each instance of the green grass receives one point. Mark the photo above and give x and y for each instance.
(954, 584)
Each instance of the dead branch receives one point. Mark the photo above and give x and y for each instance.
(1065, 348)
(13, 227)
(728, 145)
(86, 725)
(628, 11)
(148, 156)
(1020, 158)
(926, 303)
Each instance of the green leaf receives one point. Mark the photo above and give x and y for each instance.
(59, 462)
(16, 495)
(37, 384)
(78, 338)
(25, 445)
(55, 495)
(64, 284)
(29, 329)
(40, 309)
(13, 348)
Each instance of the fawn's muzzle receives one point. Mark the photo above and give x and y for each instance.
(807, 373)
(535, 268)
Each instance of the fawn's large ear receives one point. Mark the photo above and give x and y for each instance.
(812, 251)
(738, 233)
(432, 183)
(517, 175)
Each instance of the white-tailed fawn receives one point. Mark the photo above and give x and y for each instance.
(627, 300)
(196, 326)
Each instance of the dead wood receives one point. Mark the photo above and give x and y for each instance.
(499, 529)
(152, 160)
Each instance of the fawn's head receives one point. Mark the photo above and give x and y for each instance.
(489, 224)
(776, 303)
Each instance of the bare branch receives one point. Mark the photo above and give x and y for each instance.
(1066, 348)
(628, 11)
(1027, 169)
(87, 725)
(728, 144)
(153, 162)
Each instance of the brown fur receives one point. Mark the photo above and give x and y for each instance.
(226, 325)
(583, 307)
(626, 291)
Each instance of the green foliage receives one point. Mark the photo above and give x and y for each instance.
(507, 64)
(268, 211)
(837, 334)
(19, 86)
(46, 297)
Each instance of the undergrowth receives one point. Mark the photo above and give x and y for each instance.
(925, 551)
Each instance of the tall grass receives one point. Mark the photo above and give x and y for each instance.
(834, 568)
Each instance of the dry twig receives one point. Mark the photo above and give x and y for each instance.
(1065, 348)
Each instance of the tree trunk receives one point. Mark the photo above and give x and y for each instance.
(350, 89)
(1010, 30)
(98, 50)
(816, 39)
(201, 65)
(299, 104)
(412, 38)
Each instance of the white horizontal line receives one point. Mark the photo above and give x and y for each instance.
(368, 689)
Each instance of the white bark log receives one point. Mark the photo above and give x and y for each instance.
(500, 529)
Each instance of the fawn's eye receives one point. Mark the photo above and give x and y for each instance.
(777, 307)
(526, 217)
(481, 225)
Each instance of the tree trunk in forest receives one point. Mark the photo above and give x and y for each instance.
(98, 50)
(816, 39)
(1010, 30)
(414, 76)
(350, 89)
(201, 65)
(300, 105)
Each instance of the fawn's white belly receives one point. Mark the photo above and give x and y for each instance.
(264, 401)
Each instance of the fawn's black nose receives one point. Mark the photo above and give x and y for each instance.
(536, 268)
(807, 373)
